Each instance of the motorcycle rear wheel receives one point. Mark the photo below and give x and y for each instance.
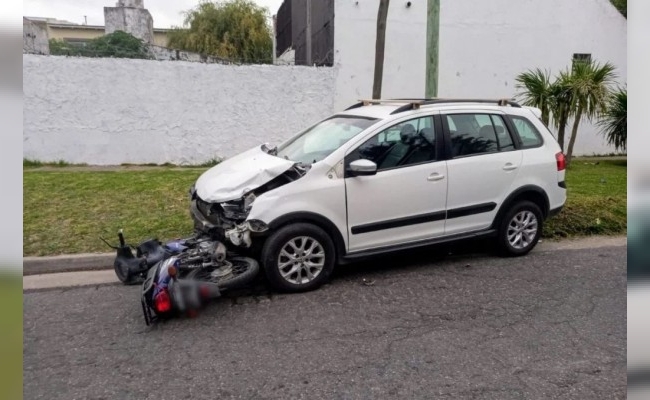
(244, 270)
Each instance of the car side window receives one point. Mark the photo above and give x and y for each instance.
(407, 143)
(478, 134)
(530, 136)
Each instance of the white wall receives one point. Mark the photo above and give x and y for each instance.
(355, 27)
(485, 44)
(113, 111)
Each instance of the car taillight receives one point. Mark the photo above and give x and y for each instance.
(162, 303)
(561, 161)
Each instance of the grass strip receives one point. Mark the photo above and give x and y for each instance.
(65, 210)
(596, 200)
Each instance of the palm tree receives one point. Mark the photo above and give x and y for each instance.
(535, 91)
(614, 121)
(561, 98)
(590, 86)
(553, 98)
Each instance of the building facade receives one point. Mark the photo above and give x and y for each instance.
(79, 34)
(482, 46)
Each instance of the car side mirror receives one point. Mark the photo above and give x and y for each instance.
(362, 167)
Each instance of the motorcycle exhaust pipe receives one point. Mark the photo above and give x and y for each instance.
(219, 252)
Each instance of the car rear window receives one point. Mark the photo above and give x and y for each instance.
(529, 135)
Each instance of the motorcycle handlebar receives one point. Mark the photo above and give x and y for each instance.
(120, 235)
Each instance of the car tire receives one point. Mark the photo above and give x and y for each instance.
(520, 229)
(298, 257)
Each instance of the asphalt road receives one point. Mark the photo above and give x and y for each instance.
(549, 325)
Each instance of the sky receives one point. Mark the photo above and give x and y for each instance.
(165, 13)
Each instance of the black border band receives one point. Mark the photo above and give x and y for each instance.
(422, 218)
(398, 222)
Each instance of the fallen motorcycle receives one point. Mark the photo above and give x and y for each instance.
(180, 276)
(176, 285)
(132, 268)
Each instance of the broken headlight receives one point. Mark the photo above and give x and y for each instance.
(238, 209)
(234, 210)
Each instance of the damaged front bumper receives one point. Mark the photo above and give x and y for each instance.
(224, 215)
(240, 235)
(207, 219)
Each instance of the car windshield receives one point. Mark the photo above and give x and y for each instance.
(322, 139)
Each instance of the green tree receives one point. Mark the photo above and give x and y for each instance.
(582, 91)
(590, 85)
(535, 90)
(561, 104)
(613, 121)
(60, 47)
(551, 96)
(621, 5)
(233, 29)
(118, 44)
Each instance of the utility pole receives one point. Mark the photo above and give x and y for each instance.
(382, 15)
(308, 34)
(433, 43)
(275, 33)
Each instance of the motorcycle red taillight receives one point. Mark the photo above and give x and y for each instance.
(561, 161)
(162, 303)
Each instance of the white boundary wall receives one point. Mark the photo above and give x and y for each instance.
(110, 111)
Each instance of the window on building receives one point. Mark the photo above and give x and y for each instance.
(581, 57)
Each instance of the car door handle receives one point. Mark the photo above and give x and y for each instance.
(509, 167)
(435, 177)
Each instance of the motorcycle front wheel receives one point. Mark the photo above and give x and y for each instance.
(235, 273)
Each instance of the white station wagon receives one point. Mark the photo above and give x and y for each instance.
(386, 175)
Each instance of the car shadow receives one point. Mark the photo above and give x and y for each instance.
(419, 258)
(413, 259)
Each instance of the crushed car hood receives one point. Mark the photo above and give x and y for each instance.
(236, 176)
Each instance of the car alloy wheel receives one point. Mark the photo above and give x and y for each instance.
(522, 230)
(301, 260)
(298, 257)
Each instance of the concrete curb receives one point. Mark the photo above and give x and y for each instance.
(104, 261)
(69, 279)
(67, 263)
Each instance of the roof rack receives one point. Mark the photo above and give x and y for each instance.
(414, 104)
(367, 102)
